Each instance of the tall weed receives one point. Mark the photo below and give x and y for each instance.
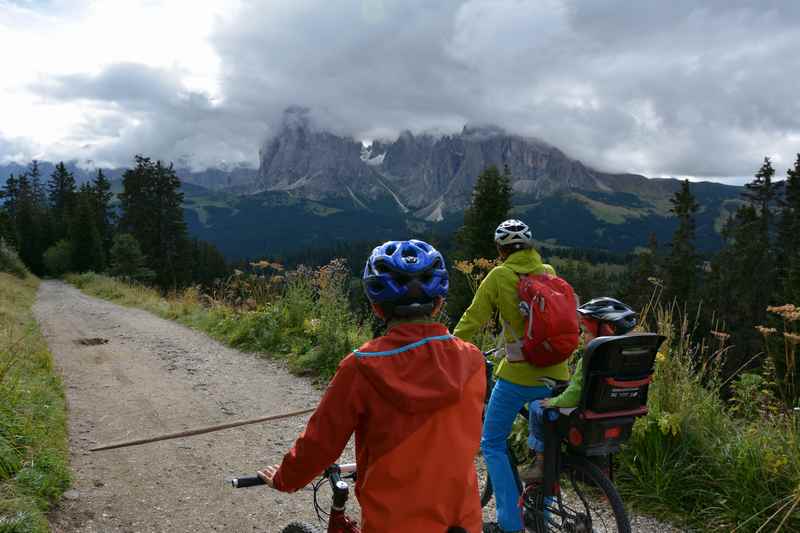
(782, 348)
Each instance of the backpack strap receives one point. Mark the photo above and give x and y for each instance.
(512, 349)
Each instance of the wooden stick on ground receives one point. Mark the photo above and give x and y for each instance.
(199, 431)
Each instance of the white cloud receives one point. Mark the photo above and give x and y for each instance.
(55, 45)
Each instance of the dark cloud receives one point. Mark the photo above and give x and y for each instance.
(674, 88)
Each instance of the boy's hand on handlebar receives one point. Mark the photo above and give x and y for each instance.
(268, 475)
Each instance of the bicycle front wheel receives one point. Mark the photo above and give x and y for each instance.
(587, 502)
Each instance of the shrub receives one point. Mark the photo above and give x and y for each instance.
(10, 261)
(127, 260)
(58, 258)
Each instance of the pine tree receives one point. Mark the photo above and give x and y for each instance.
(152, 211)
(126, 259)
(491, 201)
(738, 282)
(87, 246)
(28, 225)
(208, 264)
(101, 190)
(789, 238)
(61, 190)
(641, 274)
(8, 211)
(681, 265)
(37, 187)
(762, 193)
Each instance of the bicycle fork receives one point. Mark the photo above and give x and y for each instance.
(338, 522)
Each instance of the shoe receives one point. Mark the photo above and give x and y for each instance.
(492, 527)
(532, 473)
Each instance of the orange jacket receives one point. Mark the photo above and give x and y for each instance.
(414, 399)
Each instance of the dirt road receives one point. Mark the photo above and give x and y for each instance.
(151, 377)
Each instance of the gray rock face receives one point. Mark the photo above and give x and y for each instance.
(424, 174)
(315, 164)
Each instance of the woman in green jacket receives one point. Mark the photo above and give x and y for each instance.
(518, 382)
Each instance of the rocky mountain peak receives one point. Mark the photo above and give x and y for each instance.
(422, 173)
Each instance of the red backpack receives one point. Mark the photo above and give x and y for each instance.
(552, 331)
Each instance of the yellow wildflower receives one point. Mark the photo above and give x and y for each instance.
(669, 424)
(484, 264)
(721, 335)
(464, 266)
(766, 331)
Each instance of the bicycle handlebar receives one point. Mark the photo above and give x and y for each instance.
(247, 481)
(334, 473)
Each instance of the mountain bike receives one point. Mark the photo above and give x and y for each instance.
(575, 495)
(337, 520)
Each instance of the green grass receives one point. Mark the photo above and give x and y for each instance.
(612, 214)
(34, 464)
(307, 321)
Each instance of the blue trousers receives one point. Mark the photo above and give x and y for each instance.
(535, 422)
(504, 404)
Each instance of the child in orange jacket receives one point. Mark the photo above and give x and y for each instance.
(413, 398)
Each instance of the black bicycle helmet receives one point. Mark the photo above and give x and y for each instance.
(610, 310)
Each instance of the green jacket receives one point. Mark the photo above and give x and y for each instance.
(571, 396)
(498, 292)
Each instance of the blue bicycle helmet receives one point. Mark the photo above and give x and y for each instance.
(405, 277)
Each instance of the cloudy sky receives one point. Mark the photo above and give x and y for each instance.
(678, 88)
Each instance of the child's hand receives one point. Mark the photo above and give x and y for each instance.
(545, 402)
(268, 475)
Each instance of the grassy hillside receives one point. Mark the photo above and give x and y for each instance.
(272, 224)
(277, 223)
(33, 435)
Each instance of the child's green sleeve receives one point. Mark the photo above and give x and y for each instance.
(571, 396)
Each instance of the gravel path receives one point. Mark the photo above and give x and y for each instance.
(154, 376)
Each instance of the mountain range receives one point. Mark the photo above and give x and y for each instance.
(314, 188)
